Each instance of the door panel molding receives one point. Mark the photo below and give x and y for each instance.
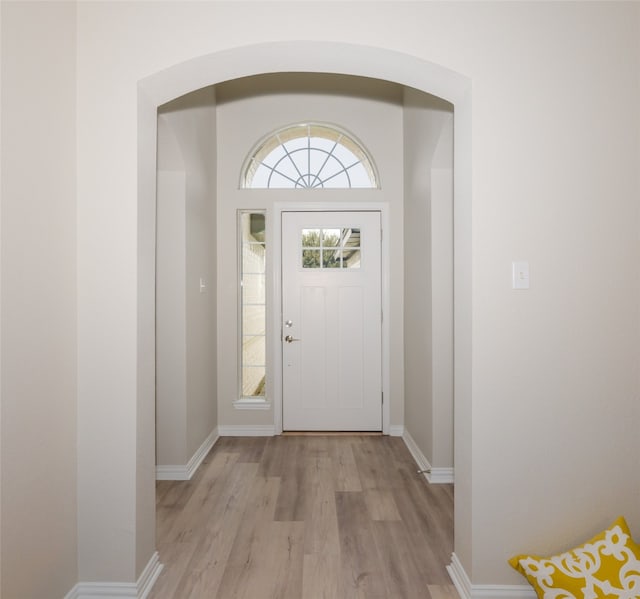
(332, 352)
(275, 315)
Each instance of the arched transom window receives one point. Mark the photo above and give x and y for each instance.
(311, 156)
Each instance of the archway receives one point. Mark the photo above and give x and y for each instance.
(311, 57)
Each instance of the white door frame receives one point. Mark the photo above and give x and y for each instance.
(275, 230)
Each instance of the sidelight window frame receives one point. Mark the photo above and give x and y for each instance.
(250, 330)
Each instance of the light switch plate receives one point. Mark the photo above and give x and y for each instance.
(520, 275)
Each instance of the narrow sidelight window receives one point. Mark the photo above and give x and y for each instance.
(252, 308)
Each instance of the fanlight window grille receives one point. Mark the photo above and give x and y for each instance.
(310, 156)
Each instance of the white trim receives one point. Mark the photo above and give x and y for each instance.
(459, 577)
(73, 593)
(251, 404)
(180, 472)
(276, 252)
(274, 231)
(304, 56)
(396, 430)
(115, 590)
(324, 57)
(440, 476)
(414, 450)
(433, 475)
(250, 430)
(152, 571)
(466, 590)
(386, 321)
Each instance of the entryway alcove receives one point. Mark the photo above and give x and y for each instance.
(417, 78)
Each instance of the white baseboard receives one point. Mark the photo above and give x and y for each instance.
(459, 577)
(73, 593)
(440, 476)
(149, 576)
(414, 450)
(396, 430)
(466, 590)
(120, 590)
(180, 472)
(433, 475)
(240, 430)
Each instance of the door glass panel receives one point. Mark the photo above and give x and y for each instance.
(252, 299)
(351, 237)
(311, 238)
(253, 258)
(330, 258)
(253, 289)
(337, 248)
(330, 237)
(310, 258)
(253, 349)
(351, 258)
(253, 380)
(253, 320)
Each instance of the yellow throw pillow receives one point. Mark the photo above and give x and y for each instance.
(606, 566)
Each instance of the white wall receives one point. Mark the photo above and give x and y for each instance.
(555, 384)
(171, 316)
(442, 297)
(428, 247)
(249, 109)
(419, 142)
(38, 367)
(186, 249)
(546, 424)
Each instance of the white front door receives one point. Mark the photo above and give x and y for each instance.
(331, 325)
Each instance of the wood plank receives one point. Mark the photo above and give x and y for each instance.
(218, 532)
(347, 477)
(274, 457)
(213, 481)
(399, 561)
(318, 446)
(320, 576)
(428, 532)
(295, 496)
(361, 574)
(250, 449)
(373, 459)
(349, 434)
(336, 517)
(381, 505)
(267, 564)
(321, 530)
(443, 592)
(432, 504)
(175, 558)
(259, 511)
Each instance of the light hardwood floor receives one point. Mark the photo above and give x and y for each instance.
(305, 517)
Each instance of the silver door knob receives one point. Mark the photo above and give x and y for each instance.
(290, 339)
